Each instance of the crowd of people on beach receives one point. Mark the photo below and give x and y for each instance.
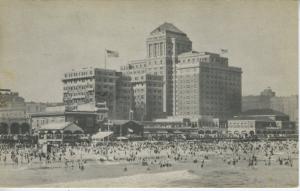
(158, 154)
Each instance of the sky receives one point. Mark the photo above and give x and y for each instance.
(40, 40)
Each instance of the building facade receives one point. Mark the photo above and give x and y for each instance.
(13, 119)
(94, 85)
(89, 120)
(206, 85)
(57, 133)
(261, 122)
(35, 107)
(167, 47)
(268, 100)
(163, 45)
(261, 101)
(11, 105)
(287, 105)
(147, 96)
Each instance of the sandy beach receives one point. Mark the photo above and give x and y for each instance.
(215, 173)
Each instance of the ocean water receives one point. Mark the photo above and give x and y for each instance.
(215, 173)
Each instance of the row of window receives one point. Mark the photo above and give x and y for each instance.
(76, 81)
(81, 100)
(101, 79)
(100, 87)
(77, 94)
(124, 98)
(149, 92)
(136, 72)
(154, 106)
(205, 59)
(156, 49)
(105, 73)
(78, 74)
(242, 125)
(78, 87)
(221, 77)
(43, 121)
(144, 65)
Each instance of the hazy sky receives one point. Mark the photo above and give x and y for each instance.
(42, 39)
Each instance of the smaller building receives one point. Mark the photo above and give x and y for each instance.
(190, 127)
(124, 128)
(261, 122)
(35, 107)
(261, 101)
(11, 105)
(13, 119)
(268, 99)
(93, 85)
(246, 126)
(86, 116)
(195, 121)
(57, 133)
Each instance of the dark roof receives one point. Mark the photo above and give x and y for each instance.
(263, 112)
(256, 118)
(119, 122)
(167, 27)
(122, 122)
(46, 114)
(66, 126)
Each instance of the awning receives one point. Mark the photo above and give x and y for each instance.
(122, 138)
(194, 133)
(102, 135)
(61, 126)
(177, 132)
(162, 132)
(182, 136)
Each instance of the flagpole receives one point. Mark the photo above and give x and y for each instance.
(105, 59)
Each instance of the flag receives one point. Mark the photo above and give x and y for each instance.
(224, 51)
(111, 53)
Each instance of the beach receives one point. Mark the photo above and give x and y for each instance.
(212, 169)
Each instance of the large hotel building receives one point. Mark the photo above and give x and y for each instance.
(148, 97)
(164, 44)
(206, 85)
(173, 80)
(94, 85)
(193, 83)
